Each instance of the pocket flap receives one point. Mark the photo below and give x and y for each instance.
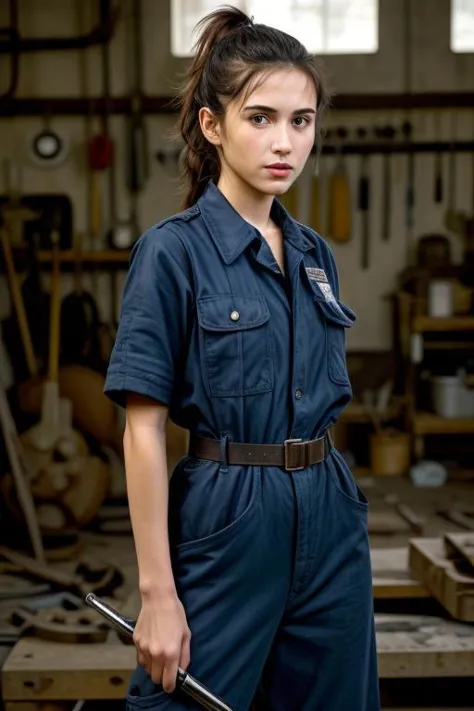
(337, 312)
(232, 313)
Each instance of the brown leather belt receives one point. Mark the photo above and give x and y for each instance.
(292, 455)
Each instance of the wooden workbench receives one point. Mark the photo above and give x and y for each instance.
(408, 647)
(37, 670)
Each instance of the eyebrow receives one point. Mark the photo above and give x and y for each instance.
(269, 110)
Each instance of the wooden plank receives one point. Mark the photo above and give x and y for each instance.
(429, 565)
(39, 670)
(436, 324)
(408, 646)
(460, 546)
(417, 646)
(425, 423)
(391, 577)
(462, 519)
(386, 522)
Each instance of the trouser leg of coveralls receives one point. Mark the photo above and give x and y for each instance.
(324, 655)
(234, 586)
(289, 582)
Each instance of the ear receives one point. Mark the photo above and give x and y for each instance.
(210, 126)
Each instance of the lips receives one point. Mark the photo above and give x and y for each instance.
(280, 166)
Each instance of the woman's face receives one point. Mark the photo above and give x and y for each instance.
(266, 138)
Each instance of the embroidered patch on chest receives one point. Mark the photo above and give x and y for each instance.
(318, 275)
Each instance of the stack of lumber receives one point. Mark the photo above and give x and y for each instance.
(445, 566)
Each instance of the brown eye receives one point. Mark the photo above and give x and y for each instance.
(259, 119)
(302, 120)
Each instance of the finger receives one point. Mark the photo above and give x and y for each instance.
(141, 658)
(185, 652)
(146, 664)
(170, 673)
(156, 669)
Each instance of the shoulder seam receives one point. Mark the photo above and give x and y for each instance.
(179, 216)
(190, 282)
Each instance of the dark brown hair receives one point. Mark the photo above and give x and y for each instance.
(229, 51)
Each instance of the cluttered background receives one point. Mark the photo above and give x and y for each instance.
(88, 162)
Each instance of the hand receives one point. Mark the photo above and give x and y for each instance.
(162, 639)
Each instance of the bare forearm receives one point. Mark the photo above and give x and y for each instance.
(147, 488)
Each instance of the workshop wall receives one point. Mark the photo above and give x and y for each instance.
(434, 68)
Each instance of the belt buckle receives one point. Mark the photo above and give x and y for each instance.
(286, 445)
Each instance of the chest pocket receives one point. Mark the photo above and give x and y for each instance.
(236, 344)
(338, 317)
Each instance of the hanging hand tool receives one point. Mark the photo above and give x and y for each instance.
(438, 170)
(407, 128)
(450, 219)
(18, 302)
(137, 140)
(46, 434)
(339, 217)
(363, 202)
(407, 131)
(80, 321)
(387, 134)
(100, 156)
(111, 178)
(185, 681)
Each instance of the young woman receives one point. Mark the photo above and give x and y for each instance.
(253, 561)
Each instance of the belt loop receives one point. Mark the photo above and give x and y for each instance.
(223, 442)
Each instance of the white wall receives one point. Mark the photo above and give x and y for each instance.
(434, 69)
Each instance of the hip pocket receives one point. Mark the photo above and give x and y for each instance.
(236, 344)
(208, 507)
(345, 483)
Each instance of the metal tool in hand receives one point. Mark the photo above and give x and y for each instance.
(184, 681)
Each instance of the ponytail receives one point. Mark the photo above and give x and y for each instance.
(199, 159)
(230, 49)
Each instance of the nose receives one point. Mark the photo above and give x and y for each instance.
(281, 141)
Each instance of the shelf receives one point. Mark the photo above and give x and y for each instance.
(426, 423)
(105, 260)
(69, 256)
(357, 412)
(436, 324)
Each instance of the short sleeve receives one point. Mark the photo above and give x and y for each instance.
(153, 325)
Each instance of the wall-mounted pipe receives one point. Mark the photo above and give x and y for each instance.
(79, 106)
(13, 36)
(100, 34)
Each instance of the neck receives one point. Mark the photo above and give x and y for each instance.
(252, 205)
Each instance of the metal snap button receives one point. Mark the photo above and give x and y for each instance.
(235, 315)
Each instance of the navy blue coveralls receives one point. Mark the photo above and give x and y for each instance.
(271, 566)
